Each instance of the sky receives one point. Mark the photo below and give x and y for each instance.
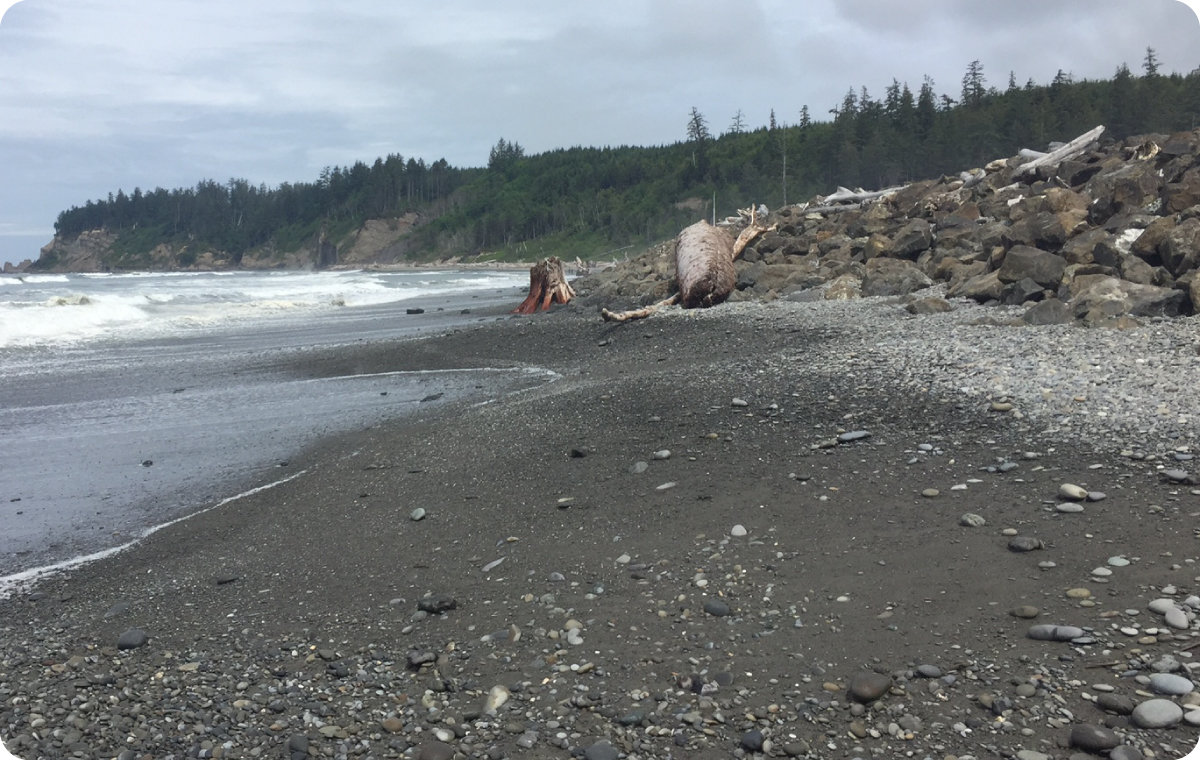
(101, 95)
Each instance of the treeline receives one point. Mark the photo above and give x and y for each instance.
(237, 216)
(631, 195)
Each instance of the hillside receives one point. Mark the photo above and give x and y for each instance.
(591, 202)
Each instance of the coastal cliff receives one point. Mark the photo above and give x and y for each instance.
(376, 242)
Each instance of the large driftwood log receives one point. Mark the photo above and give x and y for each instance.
(703, 271)
(704, 265)
(547, 284)
(1064, 153)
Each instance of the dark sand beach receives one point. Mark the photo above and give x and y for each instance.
(710, 535)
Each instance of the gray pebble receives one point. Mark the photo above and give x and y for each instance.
(601, 750)
(132, 639)
(1025, 544)
(868, 687)
(970, 520)
(1170, 684)
(717, 608)
(1093, 738)
(1157, 713)
(1125, 752)
(853, 435)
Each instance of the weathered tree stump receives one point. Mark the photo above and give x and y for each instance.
(547, 284)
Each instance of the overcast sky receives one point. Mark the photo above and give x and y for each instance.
(97, 95)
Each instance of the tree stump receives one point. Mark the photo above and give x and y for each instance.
(547, 284)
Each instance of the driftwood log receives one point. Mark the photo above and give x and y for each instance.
(703, 271)
(1055, 157)
(547, 284)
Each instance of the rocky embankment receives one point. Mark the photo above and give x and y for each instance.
(1107, 237)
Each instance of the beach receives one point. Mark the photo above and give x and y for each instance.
(827, 530)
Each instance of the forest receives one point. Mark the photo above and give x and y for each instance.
(586, 201)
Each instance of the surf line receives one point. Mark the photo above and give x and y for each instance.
(10, 584)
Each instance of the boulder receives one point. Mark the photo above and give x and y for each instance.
(1153, 236)
(1021, 262)
(931, 305)
(844, 288)
(912, 239)
(1049, 312)
(981, 288)
(1017, 293)
(1136, 270)
(1100, 298)
(893, 277)
(1180, 250)
(1126, 187)
(1081, 249)
(1184, 194)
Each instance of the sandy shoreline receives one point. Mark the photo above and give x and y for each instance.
(585, 530)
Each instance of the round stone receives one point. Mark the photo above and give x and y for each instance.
(1025, 544)
(1125, 752)
(752, 740)
(869, 687)
(1072, 492)
(1096, 496)
(716, 608)
(1177, 618)
(1102, 572)
(1115, 704)
(1179, 476)
(435, 750)
(1161, 606)
(1093, 738)
(738, 531)
(1068, 508)
(132, 639)
(1026, 690)
(1078, 593)
(1046, 632)
(417, 514)
(601, 750)
(662, 454)
(1157, 713)
(929, 671)
(1192, 717)
(970, 520)
(930, 493)
(1118, 562)
(1026, 611)
(1170, 684)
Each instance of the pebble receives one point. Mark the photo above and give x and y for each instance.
(738, 531)
(1157, 713)
(972, 521)
(717, 608)
(853, 435)
(132, 639)
(1093, 738)
(1118, 562)
(1025, 544)
(417, 514)
(1115, 703)
(1078, 593)
(1102, 572)
(869, 687)
(752, 740)
(929, 671)
(1069, 508)
(1178, 476)
(437, 604)
(1125, 752)
(929, 493)
(601, 750)
(1096, 496)
(1025, 611)
(1161, 606)
(739, 402)
(435, 750)
(637, 468)
(1072, 492)
(662, 454)
(1028, 754)
(1177, 618)
(1046, 632)
(666, 486)
(1170, 684)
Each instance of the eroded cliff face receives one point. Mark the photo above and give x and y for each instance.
(378, 241)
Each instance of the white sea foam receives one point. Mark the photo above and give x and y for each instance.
(45, 309)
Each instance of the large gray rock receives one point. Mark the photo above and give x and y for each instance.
(914, 237)
(1152, 237)
(893, 277)
(1184, 194)
(1049, 312)
(1180, 250)
(1111, 297)
(1046, 269)
(1157, 713)
(868, 687)
(981, 288)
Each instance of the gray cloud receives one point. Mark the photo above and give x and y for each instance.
(97, 95)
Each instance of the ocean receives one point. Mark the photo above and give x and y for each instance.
(131, 400)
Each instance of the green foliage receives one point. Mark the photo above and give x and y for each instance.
(587, 201)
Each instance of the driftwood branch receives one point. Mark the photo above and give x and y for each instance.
(1064, 153)
(747, 236)
(632, 314)
(844, 195)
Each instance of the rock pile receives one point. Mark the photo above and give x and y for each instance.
(1104, 238)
